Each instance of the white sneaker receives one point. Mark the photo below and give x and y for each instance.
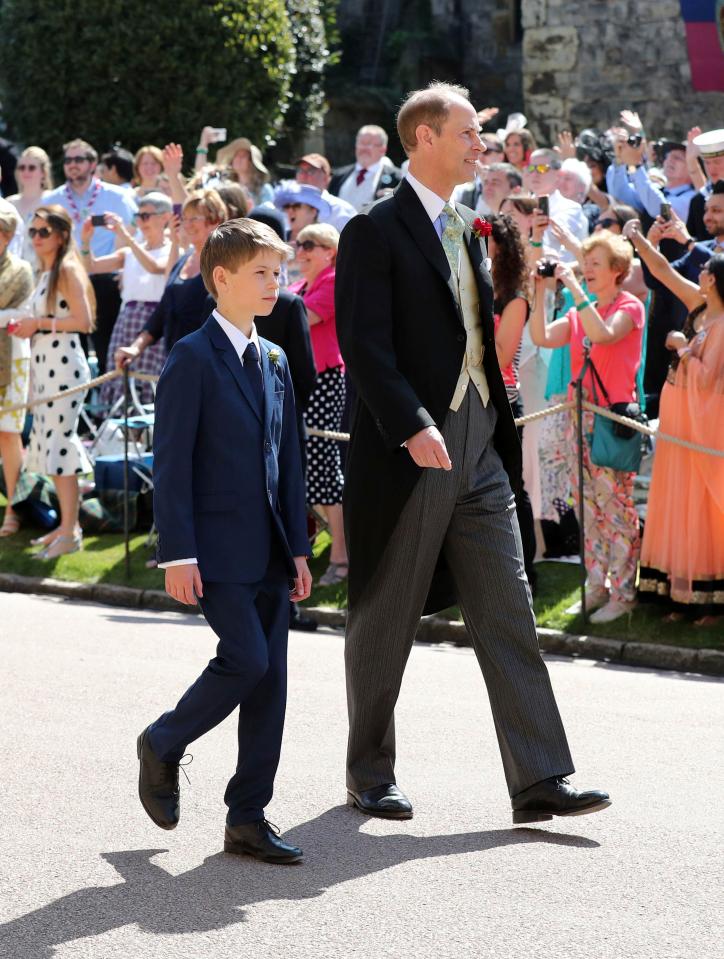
(613, 609)
(595, 596)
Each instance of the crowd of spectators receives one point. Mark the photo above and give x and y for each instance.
(606, 258)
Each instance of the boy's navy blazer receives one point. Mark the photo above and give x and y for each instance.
(226, 479)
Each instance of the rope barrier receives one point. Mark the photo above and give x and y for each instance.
(344, 437)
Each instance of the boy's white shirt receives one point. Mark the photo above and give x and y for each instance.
(240, 342)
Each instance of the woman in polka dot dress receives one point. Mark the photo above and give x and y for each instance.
(63, 306)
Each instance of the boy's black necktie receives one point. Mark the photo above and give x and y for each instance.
(252, 369)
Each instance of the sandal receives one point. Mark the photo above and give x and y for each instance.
(335, 573)
(60, 546)
(11, 524)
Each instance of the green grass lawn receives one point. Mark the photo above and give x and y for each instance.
(102, 561)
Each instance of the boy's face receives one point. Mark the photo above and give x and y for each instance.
(254, 286)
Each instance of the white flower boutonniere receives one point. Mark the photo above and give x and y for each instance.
(274, 356)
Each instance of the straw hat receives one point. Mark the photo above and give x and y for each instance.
(226, 154)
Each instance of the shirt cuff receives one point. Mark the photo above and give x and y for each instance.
(177, 562)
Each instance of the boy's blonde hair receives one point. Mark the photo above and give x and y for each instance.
(236, 242)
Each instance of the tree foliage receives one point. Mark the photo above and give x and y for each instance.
(144, 74)
(306, 107)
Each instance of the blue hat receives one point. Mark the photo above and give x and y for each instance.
(290, 192)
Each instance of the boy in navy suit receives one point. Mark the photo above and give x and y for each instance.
(229, 507)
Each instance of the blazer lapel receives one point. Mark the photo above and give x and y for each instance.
(269, 376)
(231, 360)
(423, 232)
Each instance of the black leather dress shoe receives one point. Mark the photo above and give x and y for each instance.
(158, 785)
(386, 802)
(260, 840)
(556, 797)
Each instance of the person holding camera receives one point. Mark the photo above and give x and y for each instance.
(610, 332)
(142, 267)
(82, 195)
(542, 178)
(638, 190)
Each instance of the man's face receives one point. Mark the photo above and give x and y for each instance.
(253, 286)
(714, 215)
(306, 173)
(714, 168)
(495, 188)
(540, 177)
(674, 167)
(77, 167)
(369, 149)
(459, 147)
(493, 153)
(570, 186)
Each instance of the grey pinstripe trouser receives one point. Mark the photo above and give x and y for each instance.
(469, 513)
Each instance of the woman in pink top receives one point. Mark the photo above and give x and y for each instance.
(316, 255)
(614, 329)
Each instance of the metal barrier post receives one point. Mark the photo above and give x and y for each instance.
(126, 532)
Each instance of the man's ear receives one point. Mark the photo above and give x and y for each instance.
(219, 275)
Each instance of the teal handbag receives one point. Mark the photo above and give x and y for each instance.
(613, 445)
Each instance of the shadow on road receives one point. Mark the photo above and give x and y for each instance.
(213, 895)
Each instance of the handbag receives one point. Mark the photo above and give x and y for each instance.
(614, 445)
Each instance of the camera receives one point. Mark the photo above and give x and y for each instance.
(634, 140)
(98, 219)
(543, 205)
(665, 211)
(547, 268)
(218, 134)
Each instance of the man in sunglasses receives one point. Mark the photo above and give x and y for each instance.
(84, 195)
(541, 177)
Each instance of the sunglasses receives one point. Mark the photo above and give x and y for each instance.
(309, 245)
(42, 231)
(605, 224)
(540, 167)
(27, 166)
(69, 160)
(147, 216)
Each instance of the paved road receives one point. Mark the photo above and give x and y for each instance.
(84, 873)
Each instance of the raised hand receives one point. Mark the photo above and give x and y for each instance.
(632, 120)
(566, 147)
(173, 158)
(487, 113)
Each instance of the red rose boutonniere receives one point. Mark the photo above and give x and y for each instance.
(481, 228)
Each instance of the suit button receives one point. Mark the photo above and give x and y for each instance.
(461, 337)
(267, 446)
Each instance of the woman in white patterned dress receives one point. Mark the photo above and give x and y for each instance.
(63, 306)
(16, 284)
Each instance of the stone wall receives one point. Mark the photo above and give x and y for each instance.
(583, 62)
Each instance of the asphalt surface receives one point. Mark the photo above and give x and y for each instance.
(84, 872)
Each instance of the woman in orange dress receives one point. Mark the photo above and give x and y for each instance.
(682, 554)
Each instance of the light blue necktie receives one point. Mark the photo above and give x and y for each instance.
(452, 237)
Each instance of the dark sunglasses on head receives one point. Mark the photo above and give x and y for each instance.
(42, 231)
(68, 160)
(27, 166)
(145, 216)
(308, 246)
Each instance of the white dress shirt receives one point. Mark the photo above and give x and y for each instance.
(433, 203)
(240, 342)
(568, 214)
(360, 194)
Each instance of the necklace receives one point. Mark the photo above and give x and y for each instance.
(79, 215)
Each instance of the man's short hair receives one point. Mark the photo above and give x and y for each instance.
(371, 129)
(121, 161)
(514, 176)
(234, 243)
(9, 218)
(579, 169)
(84, 147)
(546, 155)
(429, 107)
